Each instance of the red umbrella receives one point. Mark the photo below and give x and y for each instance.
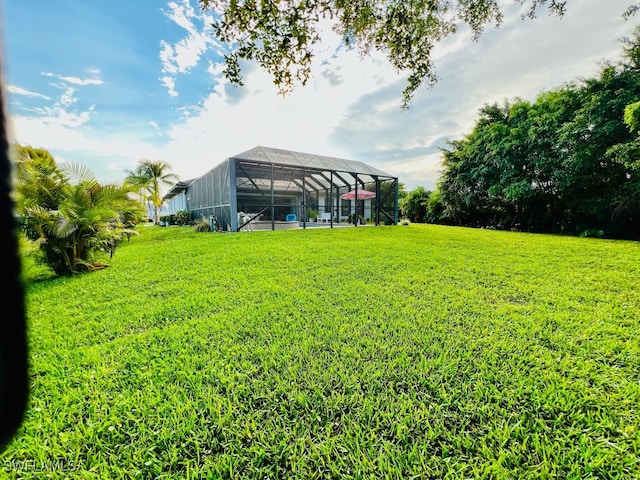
(362, 194)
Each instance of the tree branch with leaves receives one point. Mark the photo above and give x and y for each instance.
(280, 35)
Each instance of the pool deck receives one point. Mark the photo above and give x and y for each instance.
(284, 225)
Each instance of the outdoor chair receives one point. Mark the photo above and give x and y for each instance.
(324, 217)
(243, 218)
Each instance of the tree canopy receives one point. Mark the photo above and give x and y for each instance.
(567, 162)
(280, 35)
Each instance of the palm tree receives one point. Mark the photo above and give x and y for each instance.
(138, 183)
(69, 215)
(148, 177)
(40, 182)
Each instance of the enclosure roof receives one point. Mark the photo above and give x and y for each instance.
(179, 187)
(299, 159)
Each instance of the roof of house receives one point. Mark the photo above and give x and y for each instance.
(311, 160)
(179, 187)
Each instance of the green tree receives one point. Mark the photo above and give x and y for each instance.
(435, 207)
(596, 180)
(68, 214)
(566, 163)
(414, 204)
(280, 36)
(472, 169)
(629, 153)
(632, 116)
(149, 177)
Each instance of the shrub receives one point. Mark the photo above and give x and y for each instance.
(312, 214)
(182, 217)
(592, 232)
(68, 215)
(201, 224)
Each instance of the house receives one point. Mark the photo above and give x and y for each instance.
(275, 188)
(176, 198)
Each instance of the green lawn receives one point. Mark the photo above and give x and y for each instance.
(363, 353)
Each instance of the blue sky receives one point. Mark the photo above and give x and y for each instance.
(107, 83)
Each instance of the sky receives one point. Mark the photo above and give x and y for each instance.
(108, 83)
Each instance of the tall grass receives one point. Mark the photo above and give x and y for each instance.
(362, 353)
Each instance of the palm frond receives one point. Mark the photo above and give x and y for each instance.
(78, 173)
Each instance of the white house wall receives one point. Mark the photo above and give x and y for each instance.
(177, 203)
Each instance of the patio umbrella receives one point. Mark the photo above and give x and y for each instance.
(362, 195)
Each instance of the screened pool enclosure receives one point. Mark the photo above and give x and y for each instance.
(267, 188)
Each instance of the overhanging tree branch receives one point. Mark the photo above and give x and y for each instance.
(280, 35)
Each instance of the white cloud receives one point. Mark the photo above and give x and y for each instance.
(215, 69)
(170, 83)
(61, 113)
(21, 91)
(187, 52)
(421, 170)
(108, 156)
(67, 99)
(181, 56)
(166, 58)
(94, 80)
(181, 14)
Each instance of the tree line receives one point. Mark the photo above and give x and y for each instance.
(566, 163)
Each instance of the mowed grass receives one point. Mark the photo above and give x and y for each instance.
(366, 353)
